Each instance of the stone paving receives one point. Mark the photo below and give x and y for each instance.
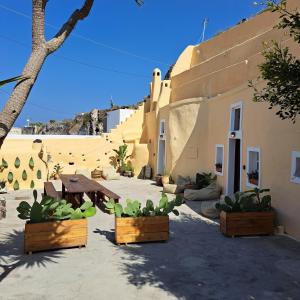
(196, 263)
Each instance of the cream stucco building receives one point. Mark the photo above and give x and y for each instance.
(202, 115)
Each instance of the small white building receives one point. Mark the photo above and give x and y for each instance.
(116, 117)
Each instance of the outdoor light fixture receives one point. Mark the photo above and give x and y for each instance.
(232, 134)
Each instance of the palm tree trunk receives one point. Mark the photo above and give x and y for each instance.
(16, 101)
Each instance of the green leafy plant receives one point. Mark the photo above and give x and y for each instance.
(127, 167)
(134, 208)
(252, 200)
(57, 170)
(205, 179)
(121, 155)
(50, 209)
(31, 163)
(17, 162)
(24, 175)
(281, 68)
(16, 185)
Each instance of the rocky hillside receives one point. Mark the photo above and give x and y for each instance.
(91, 123)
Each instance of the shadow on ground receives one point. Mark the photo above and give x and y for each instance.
(12, 255)
(199, 263)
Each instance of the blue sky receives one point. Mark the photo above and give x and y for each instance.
(127, 43)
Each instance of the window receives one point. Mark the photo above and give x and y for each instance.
(219, 159)
(236, 117)
(162, 129)
(295, 171)
(253, 166)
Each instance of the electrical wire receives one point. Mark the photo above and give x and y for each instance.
(82, 63)
(90, 40)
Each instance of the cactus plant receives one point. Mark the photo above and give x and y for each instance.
(39, 174)
(133, 207)
(24, 175)
(17, 162)
(50, 209)
(10, 177)
(16, 185)
(31, 163)
(247, 201)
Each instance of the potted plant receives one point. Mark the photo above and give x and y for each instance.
(121, 156)
(127, 170)
(57, 171)
(219, 167)
(136, 224)
(253, 177)
(54, 224)
(249, 213)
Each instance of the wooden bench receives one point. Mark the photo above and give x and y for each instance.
(105, 192)
(49, 190)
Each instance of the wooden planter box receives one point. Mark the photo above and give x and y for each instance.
(141, 229)
(247, 223)
(55, 235)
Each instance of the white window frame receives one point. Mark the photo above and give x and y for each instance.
(295, 155)
(233, 107)
(253, 149)
(216, 152)
(162, 135)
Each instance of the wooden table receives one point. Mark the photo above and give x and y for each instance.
(73, 191)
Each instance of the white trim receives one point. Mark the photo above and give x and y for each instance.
(253, 149)
(234, 106)
(238, 136)
(295, 155)
(216, 152)
(161, 135)
(164, 139)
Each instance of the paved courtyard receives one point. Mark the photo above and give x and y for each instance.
(196, 263)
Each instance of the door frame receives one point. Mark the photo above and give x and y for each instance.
(161, 138)
(238, 136)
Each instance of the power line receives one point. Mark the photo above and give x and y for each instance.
(82, 37)
(40, 106)
(77, 61)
